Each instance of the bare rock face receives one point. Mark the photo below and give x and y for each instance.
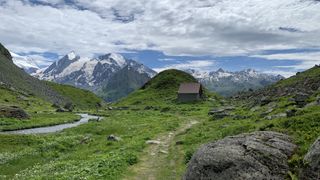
(312, 162)
(258, 155)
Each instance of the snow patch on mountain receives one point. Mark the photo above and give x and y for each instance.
(74, 66)
(72, 55)
(26, 63)
(90, 73)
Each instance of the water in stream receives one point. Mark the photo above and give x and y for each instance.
(51, 129)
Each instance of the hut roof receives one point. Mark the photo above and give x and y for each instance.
(189, 88)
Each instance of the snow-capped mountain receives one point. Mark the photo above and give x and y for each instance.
(94, 73)
(24, 62)
(229, 83)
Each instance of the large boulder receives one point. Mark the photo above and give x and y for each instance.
(258, 155)
(13, 112)
(312, 162)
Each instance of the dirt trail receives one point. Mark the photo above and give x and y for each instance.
(155, 155)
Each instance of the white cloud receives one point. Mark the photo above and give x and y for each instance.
(166, 59)
(189, 27)
(306, 59)
(40, 60)
(200, 65)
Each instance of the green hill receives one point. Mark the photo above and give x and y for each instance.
(15, 79)
(82, 99)
(160, 90)
(308, 80)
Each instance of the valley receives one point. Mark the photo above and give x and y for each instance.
(149, 134)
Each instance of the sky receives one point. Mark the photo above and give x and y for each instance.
(277, 37)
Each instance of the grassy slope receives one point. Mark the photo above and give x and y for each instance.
(15, 77)
(41, 112)
(313, 74)
(17, 88)
(82, 99)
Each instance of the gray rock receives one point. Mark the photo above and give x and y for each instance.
(221, 112)
(276, 116)
(311, 104)
(22, 98)
(13, 112)
(255, 108)
(61, 110)
(113, 138)
(291, 112)
(301, 99)
(148, 107)
(258, 155)
(312, 162)
(265, 100)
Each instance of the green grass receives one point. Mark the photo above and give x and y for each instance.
(303, 128)
(84, 151)
(312, 74)
(82, 99)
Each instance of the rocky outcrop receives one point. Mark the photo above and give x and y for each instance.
(13, 112)
(312, 162)
(5, 52)
(301, 99)
(259, 155)
(221, 112)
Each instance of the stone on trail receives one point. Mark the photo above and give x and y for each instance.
(153, 142)
(258, 155)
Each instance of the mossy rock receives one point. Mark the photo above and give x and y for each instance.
(13, 112)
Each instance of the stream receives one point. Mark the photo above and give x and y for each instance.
(56, 128)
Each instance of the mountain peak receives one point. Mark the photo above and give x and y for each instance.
(117, 58)
(249, 70)
(71, 55)
(220, 70)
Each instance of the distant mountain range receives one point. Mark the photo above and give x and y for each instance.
(110, 76)
(229, 83)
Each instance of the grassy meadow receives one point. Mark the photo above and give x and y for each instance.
(151, 113)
